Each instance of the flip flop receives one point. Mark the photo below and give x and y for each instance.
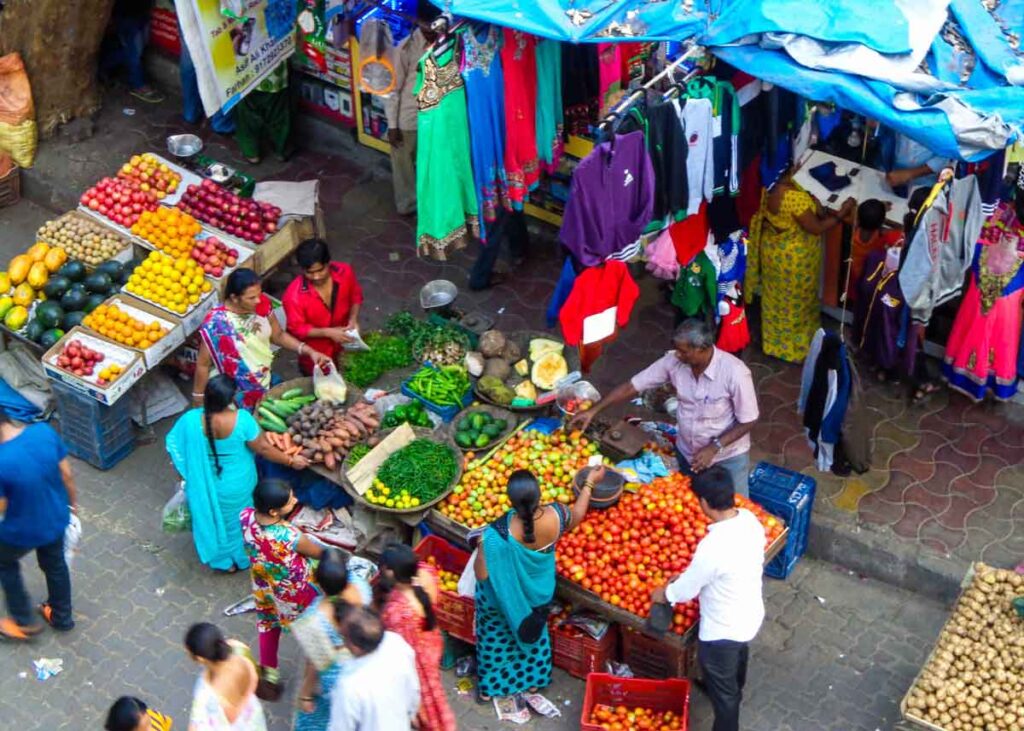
(481, 697)
(19, 633)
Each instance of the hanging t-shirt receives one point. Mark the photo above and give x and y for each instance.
(696, 290)
(601, 301)
(695, 116)
(610, 199)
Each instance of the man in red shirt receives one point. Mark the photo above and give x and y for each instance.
(322, 303)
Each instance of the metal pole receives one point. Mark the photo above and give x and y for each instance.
(638, 93)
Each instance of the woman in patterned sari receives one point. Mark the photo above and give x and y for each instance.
(321, 641)
(515, 572)
(236, 337)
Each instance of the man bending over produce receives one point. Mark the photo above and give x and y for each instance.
(322, 304)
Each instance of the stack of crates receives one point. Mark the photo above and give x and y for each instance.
(98, 434)
(790, 496)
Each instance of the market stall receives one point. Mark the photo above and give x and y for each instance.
(112, 290)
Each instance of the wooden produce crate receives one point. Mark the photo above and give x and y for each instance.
(287, 238)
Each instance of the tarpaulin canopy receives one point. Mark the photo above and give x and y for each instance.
(947, 73)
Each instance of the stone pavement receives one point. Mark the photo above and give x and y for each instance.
(946, 486)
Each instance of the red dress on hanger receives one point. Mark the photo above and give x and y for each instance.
(519, 65)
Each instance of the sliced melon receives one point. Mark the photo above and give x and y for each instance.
(540, 347)
(547, 371)
(522, 367)
(526, 390)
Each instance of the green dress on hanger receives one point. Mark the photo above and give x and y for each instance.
(445, 193)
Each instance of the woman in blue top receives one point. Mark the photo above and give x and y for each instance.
(213, 448)
(515, 573)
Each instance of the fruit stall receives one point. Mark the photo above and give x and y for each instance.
(110, 290)
(973, 676)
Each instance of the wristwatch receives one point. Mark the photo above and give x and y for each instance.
(718, 444)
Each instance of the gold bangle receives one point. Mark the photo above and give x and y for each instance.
(588, 485)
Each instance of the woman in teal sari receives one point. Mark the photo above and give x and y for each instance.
(213, 448)
(515, 572)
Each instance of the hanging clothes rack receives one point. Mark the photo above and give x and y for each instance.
(442, 25)
(637, 94)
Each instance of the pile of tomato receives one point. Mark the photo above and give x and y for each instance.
(621, 718)
(480, 497)
(621, 554)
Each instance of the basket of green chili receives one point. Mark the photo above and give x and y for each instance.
(445, 390)
(413, 479)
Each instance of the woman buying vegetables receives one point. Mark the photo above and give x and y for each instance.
(515, 572)
(213, 448)
(236, 339)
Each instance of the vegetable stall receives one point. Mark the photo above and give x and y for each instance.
(115, 288)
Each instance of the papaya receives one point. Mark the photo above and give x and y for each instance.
(24, 294)
(16, 318)
(38, 251)
(37, 275)
(18, 270)
(55, 259)
(6, 303)
(5, 283)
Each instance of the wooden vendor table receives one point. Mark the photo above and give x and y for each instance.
(580, 597)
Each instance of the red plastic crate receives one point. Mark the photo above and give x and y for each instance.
(648, 657)
(655, 695)
(578, 654)
(455, 614)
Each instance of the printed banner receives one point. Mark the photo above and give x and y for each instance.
(235, 44)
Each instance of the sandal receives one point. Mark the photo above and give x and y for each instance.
(147, 94)
(924, 391)
(17, 632)
(482, 697)
(252, 160)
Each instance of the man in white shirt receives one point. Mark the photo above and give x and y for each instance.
(401, 109)
(726, 573)
(378, 690)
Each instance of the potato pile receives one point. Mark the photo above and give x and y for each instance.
(82, 239)
(975, 677)
(326, 431)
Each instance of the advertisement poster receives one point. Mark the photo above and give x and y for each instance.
(242, 41)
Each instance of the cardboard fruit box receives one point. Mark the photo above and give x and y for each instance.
(147, 313)
(130, 360)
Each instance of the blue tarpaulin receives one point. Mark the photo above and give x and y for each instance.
(947, 73)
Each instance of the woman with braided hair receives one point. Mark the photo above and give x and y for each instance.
(213, 448)
(515, 573)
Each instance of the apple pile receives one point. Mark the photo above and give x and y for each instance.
(214, 256)
(243, 218)
(151, 174)
(79, 358)
(120, 200)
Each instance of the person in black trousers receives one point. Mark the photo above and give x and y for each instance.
(726, 573)
(508, 229)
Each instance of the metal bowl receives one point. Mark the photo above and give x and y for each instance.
(438, 293)
(184, 145)
(219, 173)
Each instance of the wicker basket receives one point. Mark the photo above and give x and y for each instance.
(10, 185)
(421, 433)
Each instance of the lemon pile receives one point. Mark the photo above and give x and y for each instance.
(174, 284)
(381, 494)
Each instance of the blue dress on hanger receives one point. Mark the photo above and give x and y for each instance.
(485, 98)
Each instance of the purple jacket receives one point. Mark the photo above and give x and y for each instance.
(610, 201)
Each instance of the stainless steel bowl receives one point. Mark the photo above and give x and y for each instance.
(438, 293)
(184, 145)
(219, 173)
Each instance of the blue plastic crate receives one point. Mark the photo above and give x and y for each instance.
(790, 496)
(98, 434)
(447, 413)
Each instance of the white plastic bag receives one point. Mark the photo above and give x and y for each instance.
(467, 582)
(176, 516)
(72, 537)
(357, 342)
(328, 385)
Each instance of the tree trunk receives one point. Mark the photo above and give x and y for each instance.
(59, 42)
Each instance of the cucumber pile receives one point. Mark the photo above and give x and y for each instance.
(273, 413)
(478, 429)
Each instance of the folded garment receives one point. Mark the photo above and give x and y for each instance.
(826, 175)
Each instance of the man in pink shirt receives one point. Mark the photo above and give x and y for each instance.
(716, 409)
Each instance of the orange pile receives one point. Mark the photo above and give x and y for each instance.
(170, 230)
(621, 718)
(112, 322)
(174, 284)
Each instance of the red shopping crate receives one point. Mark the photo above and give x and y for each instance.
(648, 657)
(455, 614)
(579, 654)
(653, 695)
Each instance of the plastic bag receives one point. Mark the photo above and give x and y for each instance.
(72, 537)
(467, 582)
(328, 385)
(18, 134)
(176, 516)
(357, 342)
